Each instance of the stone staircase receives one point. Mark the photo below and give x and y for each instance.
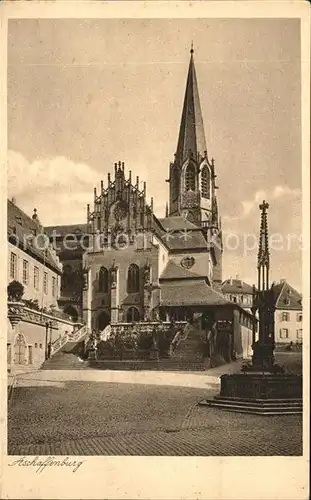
(185, 350)
(65, 351)
(64, 361)
(256, 406)
(69, 341)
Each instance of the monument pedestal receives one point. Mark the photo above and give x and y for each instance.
(260, 393)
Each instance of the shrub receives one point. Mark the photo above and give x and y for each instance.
(15, 291)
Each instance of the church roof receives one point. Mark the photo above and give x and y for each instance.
(191, 132)
(66, 229)
(21, 230)
(173, 271)
(191, 293)
(176, 223)
(287, 297)
(236, 286)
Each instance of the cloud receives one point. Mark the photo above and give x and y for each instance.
(241, 233)
(59, 188)
(278, 192)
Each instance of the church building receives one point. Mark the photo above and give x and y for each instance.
(129, 265)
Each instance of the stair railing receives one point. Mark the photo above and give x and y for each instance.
(59, 343)
(68, 337)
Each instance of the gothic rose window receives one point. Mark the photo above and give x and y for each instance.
(190, 178)
(133, 279)
(103, 280)
(205, 182)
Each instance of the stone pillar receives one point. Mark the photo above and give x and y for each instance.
(147, 293)
(114, 295)
(147, 303)
(87, 297)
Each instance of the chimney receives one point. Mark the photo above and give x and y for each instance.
(13, 200)
(282, 280)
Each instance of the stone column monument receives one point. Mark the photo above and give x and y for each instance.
(262, 386)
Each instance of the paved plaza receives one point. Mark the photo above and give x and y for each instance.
(90, 412)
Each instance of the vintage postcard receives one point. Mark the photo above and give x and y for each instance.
(155, 232)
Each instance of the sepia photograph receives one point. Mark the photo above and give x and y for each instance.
(154, 238)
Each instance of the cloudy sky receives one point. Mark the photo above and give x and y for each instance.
(83, 94)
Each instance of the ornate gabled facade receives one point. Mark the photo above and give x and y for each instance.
(121, 208)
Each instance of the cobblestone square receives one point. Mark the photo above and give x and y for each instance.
(51, 415)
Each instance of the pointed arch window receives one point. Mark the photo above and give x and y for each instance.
(190, 178)
(133, 279)
(103, 280)
(206, 182)
(132, 315)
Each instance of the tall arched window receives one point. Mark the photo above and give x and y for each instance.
(190, 178)
(205, 182)
(132, 315)
(133, 279)
(103, 280)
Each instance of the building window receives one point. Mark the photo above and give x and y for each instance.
(284, 333)
(103, 280)
(40, 345)
(54, 286)
(299, 317)
(285, 316)
(205, 182)
(299, 334)
(36, 278)
(13, 266)
(190, 178)
(132, 315)
(25, 272)
(36, 345)
(45, 283)
(133, 279)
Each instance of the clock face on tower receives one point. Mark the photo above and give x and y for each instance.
(120, 210)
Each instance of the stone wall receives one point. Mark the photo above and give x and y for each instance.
(26, 342)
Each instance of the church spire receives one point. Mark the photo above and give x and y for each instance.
(191, 138)
(263, 258)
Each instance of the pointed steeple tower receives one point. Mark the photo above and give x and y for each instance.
(191, 140)
(192, 175)
(263, 258)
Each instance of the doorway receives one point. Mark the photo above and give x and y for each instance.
(20, 350)
(30, 355)
(102, 321)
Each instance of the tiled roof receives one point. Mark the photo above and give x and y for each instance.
(190, 293)
(174, 271)
(236, 286)
(186, 240)
(67, 229)
(287, 297)
(21, 228)
(177, 223)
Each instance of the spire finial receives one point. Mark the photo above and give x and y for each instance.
(192, 49)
